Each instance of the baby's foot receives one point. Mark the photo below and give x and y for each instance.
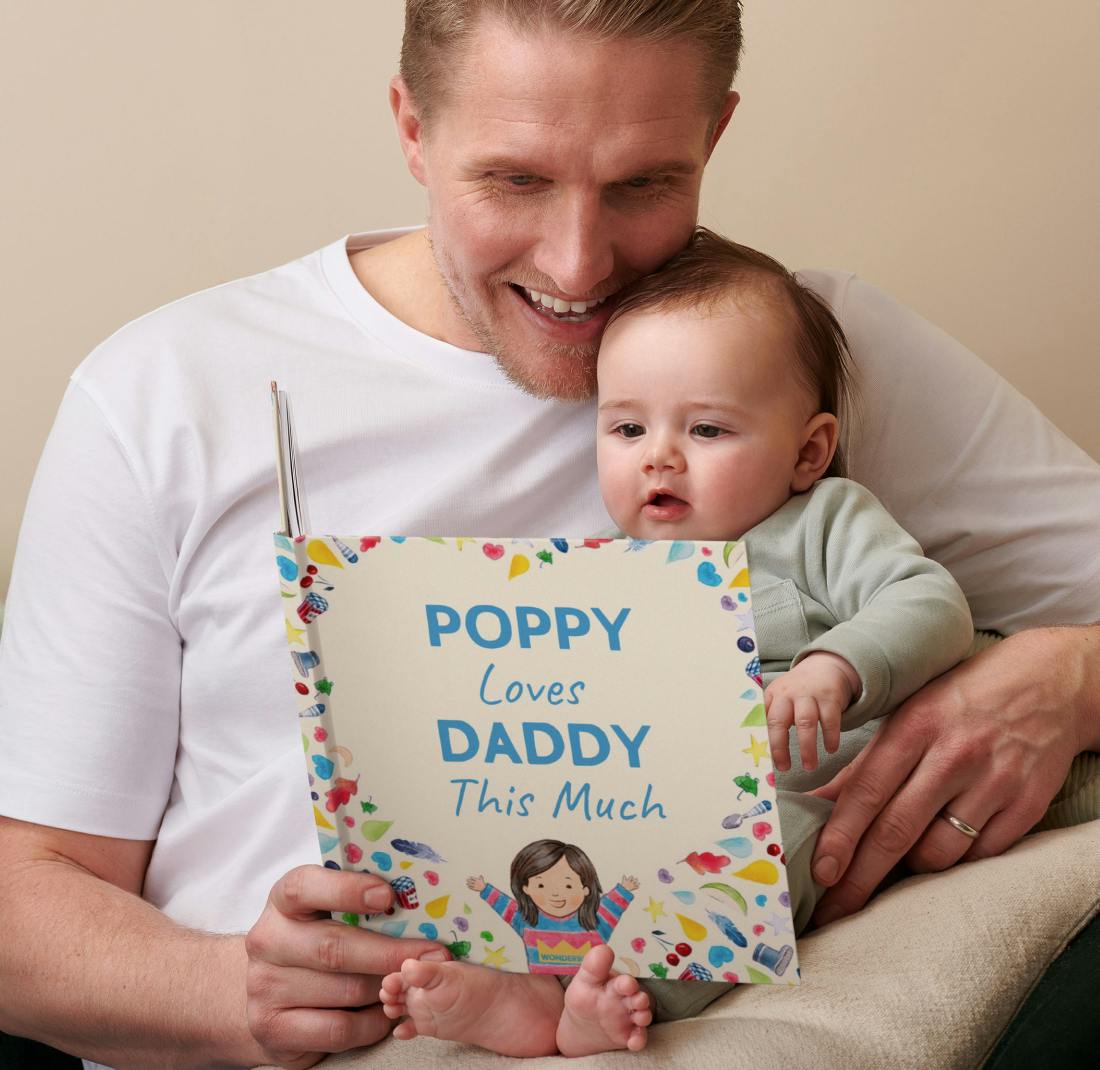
(602, 1012)
(509, 1013)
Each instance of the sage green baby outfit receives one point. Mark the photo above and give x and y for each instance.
(832, 570)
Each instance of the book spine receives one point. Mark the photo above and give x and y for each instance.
(333, 784)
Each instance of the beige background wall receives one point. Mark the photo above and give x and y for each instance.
(945, 150)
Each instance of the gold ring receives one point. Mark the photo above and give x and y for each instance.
(958, 823)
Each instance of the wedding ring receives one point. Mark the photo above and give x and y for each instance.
(958, 823)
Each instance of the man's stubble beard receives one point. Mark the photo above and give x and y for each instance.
(558, 373)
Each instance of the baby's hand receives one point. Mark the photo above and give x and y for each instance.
(631, 884)
(475, 884)
(817, 690)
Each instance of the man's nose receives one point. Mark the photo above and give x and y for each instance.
(576, 249)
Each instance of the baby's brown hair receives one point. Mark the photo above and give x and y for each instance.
(713, 270)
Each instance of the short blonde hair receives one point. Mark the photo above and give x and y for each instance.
(714, 271)
(435, 30)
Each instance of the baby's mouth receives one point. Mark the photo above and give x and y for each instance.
(662, 499)
(557, 309)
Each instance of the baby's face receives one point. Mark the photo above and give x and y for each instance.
(557, 891)
(701, 420)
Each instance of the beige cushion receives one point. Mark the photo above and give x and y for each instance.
(928, 976)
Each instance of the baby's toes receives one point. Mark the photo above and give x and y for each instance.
(624, 985)
(636, 1040)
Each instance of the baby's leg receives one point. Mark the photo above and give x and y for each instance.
(509, 1013)
(602, 1012)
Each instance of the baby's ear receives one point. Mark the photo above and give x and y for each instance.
(819, 441)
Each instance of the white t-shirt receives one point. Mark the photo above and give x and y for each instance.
(145, 684)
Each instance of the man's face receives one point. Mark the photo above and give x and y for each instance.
(558, 170)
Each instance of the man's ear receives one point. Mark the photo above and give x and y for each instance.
(732, 100)
(819, 442)
(410, 131)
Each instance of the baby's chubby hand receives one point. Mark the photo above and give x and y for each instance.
(631, 884)
(816, 691)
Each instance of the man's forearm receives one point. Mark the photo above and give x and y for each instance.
(96, 971)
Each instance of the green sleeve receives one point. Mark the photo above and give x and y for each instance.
(902, 618)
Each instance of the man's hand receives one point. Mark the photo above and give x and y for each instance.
(990, 742)
(816, 691)
(313, 982)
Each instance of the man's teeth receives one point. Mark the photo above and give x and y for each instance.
(556, 304)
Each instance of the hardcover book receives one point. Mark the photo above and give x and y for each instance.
(543, 744)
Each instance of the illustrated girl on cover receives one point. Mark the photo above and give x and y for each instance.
(559, 909)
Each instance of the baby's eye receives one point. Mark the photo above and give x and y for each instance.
(707, 431)
(630, 430)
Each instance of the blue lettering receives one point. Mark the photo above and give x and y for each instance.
(525, 630)
(474, 613)
(557, 744)
(499, 743)
(436, 615)
(484, 681)
(562, 614)
(633, 745)
(603, 747)
(612, 627)
(445, 729)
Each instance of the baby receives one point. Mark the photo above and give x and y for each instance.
(722, 381)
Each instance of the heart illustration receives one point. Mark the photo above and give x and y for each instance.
(728, 603)
(719, 956)
(382, 861)
(708, 574)
(761, 830)
(429, 930)
(323, 766)
(288, 569)
(354, 853)
(492, 551)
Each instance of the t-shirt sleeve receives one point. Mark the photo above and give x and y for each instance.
(902, 619)
(971, 468)
(87, 746)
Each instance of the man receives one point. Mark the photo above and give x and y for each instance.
(161, 758)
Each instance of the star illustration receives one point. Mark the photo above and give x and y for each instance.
(743, 619)
(495, 958)
(293, 633)
(757, 748)
(779, 923)
(655, 909)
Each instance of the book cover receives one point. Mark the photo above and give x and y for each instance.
(544, 744)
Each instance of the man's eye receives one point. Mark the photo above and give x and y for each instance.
(640, 181)
(520, 181)
(630, 430)
(707, 431)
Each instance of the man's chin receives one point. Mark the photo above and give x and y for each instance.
(556, 373)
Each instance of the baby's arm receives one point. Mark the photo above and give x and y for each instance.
(816, 691)
(901, 618)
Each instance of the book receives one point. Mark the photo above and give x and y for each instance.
(542, 743)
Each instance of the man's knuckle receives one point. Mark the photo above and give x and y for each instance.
(294, 887)
(894, 834)
(866, 795)
(341, 1031)
(332, 952)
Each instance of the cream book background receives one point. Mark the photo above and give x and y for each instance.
(463, 699)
